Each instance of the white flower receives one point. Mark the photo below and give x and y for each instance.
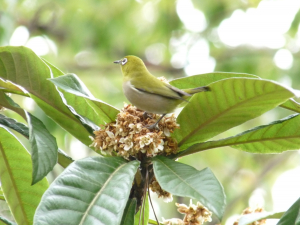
(92, 138)
(145, 140)
(136, 128)
(167, 132)
(168, 198)
(128, 143)
(173, 221)
(158, 147)
(111, 140)
(120, 130)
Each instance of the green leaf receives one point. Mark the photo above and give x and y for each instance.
(146, 213)
(291, 104)
(276, 137)
(8, 103)
(230, 102)
(206, 79)
(250, 218)
(16, 170)
(152, 222)
(5, 211)
(7, 86)
(292, 216)
(93, 190)
(22, 66)
(183, 180)
(15, 125)
(6, 221)
(129, 211)
(92, 108)
(43, 148)
(1, 195)
(63, 159)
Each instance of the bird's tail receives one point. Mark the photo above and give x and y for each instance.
(196, 90)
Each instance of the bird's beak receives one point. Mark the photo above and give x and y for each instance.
(118, 61)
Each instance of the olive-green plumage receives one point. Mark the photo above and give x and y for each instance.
(148, 93)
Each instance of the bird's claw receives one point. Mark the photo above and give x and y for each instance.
(146, 116)
(152, 126)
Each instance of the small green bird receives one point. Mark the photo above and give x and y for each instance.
(148, 93)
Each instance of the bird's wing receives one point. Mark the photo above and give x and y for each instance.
(160, 88)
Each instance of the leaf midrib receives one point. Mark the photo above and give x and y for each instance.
(209, 121)
(236, 143)
(99, 193)
(182, 180)
(14, 185)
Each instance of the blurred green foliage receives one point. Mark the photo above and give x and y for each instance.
(89, 35)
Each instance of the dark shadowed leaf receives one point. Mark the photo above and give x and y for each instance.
(15, 125)
(292, 216)
(183, 180)
(16, 174)
(93, 190)
(63, 159)
(230, 102)
(129, 211)
(43, 148)
(145, 216)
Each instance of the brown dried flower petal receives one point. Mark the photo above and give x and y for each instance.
(250, 210)
(194, 214)
(155, 187)
(128, 136)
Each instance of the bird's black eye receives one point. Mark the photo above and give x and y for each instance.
(124, 61)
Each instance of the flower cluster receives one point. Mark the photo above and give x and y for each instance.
(155, 187)
(194, 215)
(129, 135)
(250, 210)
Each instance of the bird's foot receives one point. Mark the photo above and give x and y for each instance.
(146, 116)
(152, 127)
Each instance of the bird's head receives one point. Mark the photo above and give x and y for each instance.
(131, 65)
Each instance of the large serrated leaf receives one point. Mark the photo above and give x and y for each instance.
(22, 66)
(16, 170)
(92, 108)
(276, 137)
(230, 102)
(183, 180)
(93, 190)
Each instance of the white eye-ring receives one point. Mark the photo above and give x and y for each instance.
(124, 61)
